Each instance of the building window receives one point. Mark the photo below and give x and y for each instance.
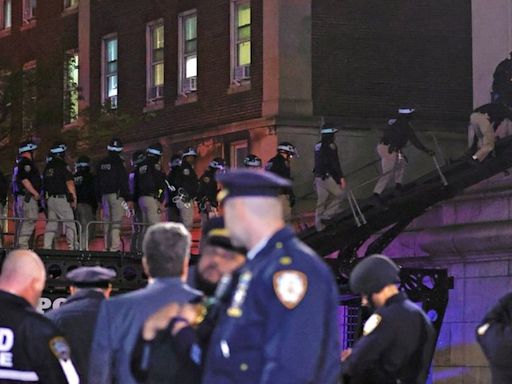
(29, 101)
(70, 4)
(5, 14)
(5, 102)
(239, 150)
(109, 75)
(187, 52)
(71, 90)
(240, 40)
(29, 10)
(155, 62)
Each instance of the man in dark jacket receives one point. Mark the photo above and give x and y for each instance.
(89, 286)
(208, 189)
(502, 82)
(173, 213)
(187, 185)
(280, 164)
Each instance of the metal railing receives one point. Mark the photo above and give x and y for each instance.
(108, 223)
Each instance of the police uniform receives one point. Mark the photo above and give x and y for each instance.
(136, 241)
(328, 175)
(4, 186)
(56, 176)
(26, 205)
(280, 325)
(77, 316)
(112, 182)
(187, 184)
(398, 339)
(173, 213)
(398, 133)
(32, 349)
(208, 189)
(281, 167)
(494, 334)
(87, 202)
(151, 186)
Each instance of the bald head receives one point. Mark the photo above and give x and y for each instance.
(23, 274)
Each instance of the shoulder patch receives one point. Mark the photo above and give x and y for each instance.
(60, 348)
(482, 329)
(333, 146)
(290, 287)
(186, 171)
(371, 324)
(27, 168)
(206, 179)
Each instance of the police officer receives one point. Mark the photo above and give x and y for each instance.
(151, 185)
(187, 184)
(208, 189)
(252, 161)
(280, 165)
(283, 288)
(112, 181)
(27, 190)
(60, 195)
(87, 203)
(4, 186)
(32, 349)
(398, 339)
(398, 133)
(138, 158)
(173, 213)
(329, 180)
(89, 286)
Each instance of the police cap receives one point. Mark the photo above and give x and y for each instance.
(214, 232)
(372, 274)
(405, 111)
(252, 161)
(91, 277)
(83, 162)
(137, 157)
(58, 148)
(27, 146)
(155, 149)
(189, 151)
(287, 147)
(217, 163)
(115, 145)
(175, 161)
(248, 182)
(325, 129)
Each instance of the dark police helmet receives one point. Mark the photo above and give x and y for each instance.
(155, 149)
(175, 161)
(137, 158)
(217, 163)
(372, 274)
(252, 161)
(27, 146)
(115, 145)
(287, 148)
(83, 162)
(58, 148)
(189, 151)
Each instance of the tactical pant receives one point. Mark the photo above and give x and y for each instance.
(59, 208)
(3, 211)
(112, 213)
(485, 133)
(149, 208)
(329, 198)
(173, 213)
(25, 229)
(84, 215)
(392, 168)
(137, 229)
(287, 210)
(187, 215)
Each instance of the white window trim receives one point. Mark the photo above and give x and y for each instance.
(104, 39)
(27, 17)
(234, 42)
(158, 102)
(70, 53)
(233, 147)
(181, 53)
(3, 16)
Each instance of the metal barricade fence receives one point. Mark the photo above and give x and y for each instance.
(104, 222)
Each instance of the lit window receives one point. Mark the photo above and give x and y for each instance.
(71, 90)
(29, 10)
(109, 78)
(29, 97)
(241, 40)
(155, 61)
(238, 153)
(188, 52)
(5, 14)
(70, 3)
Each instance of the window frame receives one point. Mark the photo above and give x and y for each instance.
(114, 99)
(67, 97)
(71, 5)
(3, 18)
(158, 99)
(29, 66)
(29, 13)
(234, 146)
(236, 77)
(186, 86)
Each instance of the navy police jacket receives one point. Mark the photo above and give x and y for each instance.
(396, 346)
(280, 325)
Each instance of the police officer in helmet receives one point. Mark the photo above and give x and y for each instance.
(253, 161)
(150, 181)
(114, 193)
(208, 189)
(137, 159)
(398, 339)
(280, 165)
(187, 184)
(60, 194)
(87, 204)
(173, 213)
(27, 191)
(329, 180)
